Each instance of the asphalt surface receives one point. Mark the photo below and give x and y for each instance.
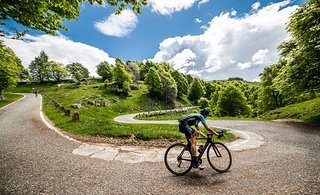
(36, 160)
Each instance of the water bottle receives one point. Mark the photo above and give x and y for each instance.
(200, 148)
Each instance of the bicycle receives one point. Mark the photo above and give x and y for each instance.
(178, 156)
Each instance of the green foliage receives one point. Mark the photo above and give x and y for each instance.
(182, 83)
(232, 102)
(48, 16)
(78, 71)
(169, 90)
(307, 111)
(58, 72)
(210, 89)
(133, 68)
(39, 68)
(10, 68)
(104, 70)
(154, 83)
(196, 90)
(120, 75)
(9, 98)
(204, 102)
(297, 74)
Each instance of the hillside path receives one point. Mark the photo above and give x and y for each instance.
(36, 160)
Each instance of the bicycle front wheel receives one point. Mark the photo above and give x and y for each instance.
(219, 157)
(178, 159)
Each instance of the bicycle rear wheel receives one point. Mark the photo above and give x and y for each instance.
(178, 159)
(219, 157)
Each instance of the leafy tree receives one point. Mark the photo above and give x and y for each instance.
(215, 96)
(58, 72)
(210, 89)
(126, 87)
(269, 97)
(133, 68)
(144, 68)
(154, 82)
(78, 71)
(10, 68)
(169, 90)
(182, 83)
(48, 16)
(232, 102)
(120, 75)
(300, 56)
(104, 70)
(189, 79)
(39, 68)
(196, 90)
(204, 102)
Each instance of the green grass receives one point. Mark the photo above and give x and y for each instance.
(98, 121)
(306, 111)
(9, 98)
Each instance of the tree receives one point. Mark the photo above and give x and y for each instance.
(300, 55)
(169, 90)
(210, 89)
(58, 72)
(133, 69)
(182, 83)
(144, 68)
(120, 75)
(10, 68)
(104, 70)
(154, 82)
(39, 68)
(204, 102)
(232, 102)
(48, 16)
(196, 90)
(78, 71)
(269, 97)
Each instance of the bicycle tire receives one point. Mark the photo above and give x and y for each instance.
(219, 157)
(177, 159)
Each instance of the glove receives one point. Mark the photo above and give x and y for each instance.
(220, 134)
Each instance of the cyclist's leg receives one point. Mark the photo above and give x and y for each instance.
(191, 137)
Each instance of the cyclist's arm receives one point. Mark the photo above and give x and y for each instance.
(209, 129)
(199, 131)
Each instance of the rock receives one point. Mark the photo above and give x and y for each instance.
(116, 100)
(76, 116)
(67, 112)
(98, 104)
(76, 106)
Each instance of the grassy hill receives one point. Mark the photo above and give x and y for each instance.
(306, 111)
(97, 121)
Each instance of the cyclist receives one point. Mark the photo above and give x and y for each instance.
(191, 134)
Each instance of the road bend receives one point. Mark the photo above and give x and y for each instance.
(36, 160)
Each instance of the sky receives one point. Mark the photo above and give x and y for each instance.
(209, 39)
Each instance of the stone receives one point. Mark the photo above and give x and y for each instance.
(67, 112)
(76, 116)
(116, 100)
(76, 106)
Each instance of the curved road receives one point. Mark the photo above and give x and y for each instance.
(36, 160)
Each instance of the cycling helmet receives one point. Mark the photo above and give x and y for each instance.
(204, 112)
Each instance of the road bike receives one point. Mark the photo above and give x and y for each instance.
(178, 156)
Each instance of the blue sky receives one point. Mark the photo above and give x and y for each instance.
(211, 39)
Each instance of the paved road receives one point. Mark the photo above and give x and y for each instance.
(35, 160)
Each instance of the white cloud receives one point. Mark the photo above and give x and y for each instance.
(202, 2)
(232, 46)
(260, 56)
(255, 6)
(168, 7)
(197, 20)
(118, 25)
(58, 48)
